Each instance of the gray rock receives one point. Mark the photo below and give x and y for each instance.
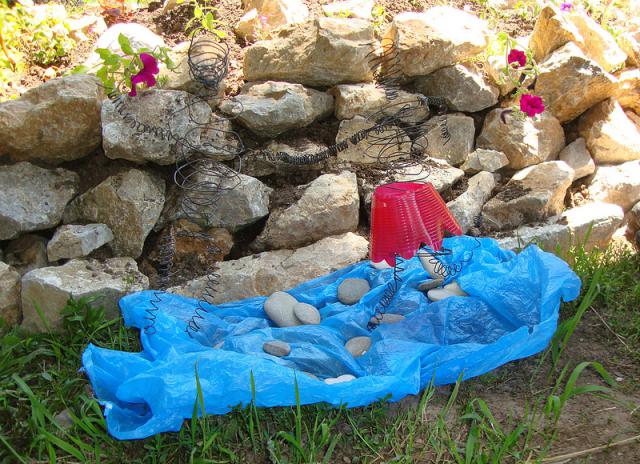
(63, 419)
(243, 200)
(370, 150)
(33, 198)
(277, 348)
(161, 118)
(270, 108)
(318, 52)
(256, 164)
(467, 206)
(358, 346)
(387, 318)
(279, 308)
(351, 290)
(533, 194)
(129, 203)
(429, 284)
(268, 272)
(330, 205)
(618, 184)
(438, 294)
(306, 314)
(340, 379)
(525, 141)
(139, 36)
(430, 264)
(76, 241)
(27, 253)
(464, 86)
(578, 158)
(54, 122)
(10, 312)
(484, 160)
(49, 289)
(453, 150)
(634, 221)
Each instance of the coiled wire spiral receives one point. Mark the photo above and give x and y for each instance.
(388, 295)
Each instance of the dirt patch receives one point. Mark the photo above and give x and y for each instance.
(455, 190)
(512, 191)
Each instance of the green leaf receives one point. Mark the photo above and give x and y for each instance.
(197, 12)
(103, 53)
(125, 44)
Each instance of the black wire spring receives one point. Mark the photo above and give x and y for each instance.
(166, 252)
(385, 65)
(389, 293)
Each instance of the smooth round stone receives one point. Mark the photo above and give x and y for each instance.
(454, 288)
(351, 290)
(381, 265)
(358, 346)
(387, 318)
(341, 379)
(425, 258)
(277, 348)
(438, 294)
(429, 284)
(306, 314)
(279, 308)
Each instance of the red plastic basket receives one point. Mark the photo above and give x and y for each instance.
(405, 215)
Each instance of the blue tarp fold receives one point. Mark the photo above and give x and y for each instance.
(511, 313)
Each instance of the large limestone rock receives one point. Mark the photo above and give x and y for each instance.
(484, 160)
(628, 94)
(349, 8)
(533, 194)
(371, 100)
(592, 225)
(329, 206)
(611, 136)
(617, 184)
(271, 271)
(524, 141)
(26, 253)
(76, 241)
(55, 122)
(554, 29)
(256, 164)
(441, 36)
(469, 205)
(241, 201)
(391, 144)
(33, 198)
(318, 52)
(630, 44)
(271, 108)
(139, 36)
(129, 203)
(160, 126)
(570, 83)
(9, 295)
(453, 150)
(262, 16)
(464, 87)
(577, 156)
(48, 289)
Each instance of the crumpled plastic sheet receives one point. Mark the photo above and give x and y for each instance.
(511, 313)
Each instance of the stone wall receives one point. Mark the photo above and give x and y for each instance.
(86, 200)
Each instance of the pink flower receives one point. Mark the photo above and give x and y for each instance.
(517, 58)
(566, 6)
(146, 75)
(531, 105)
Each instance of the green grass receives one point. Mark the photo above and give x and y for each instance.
(39, 378)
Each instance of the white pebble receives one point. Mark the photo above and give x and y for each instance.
(454, 288)
(341, 379)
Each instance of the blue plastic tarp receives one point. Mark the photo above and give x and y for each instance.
(511, 313)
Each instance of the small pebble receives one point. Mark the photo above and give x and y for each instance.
(279, 308)
(351, 290)
(387, 318)
(429, 284)
(358, 346)
(277, 348)
(438, 294)
(341, 379)
(425, 259)
(63, 419)
(306, 314)
(454, 288)
(381, 265)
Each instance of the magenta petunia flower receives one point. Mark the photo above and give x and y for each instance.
(517, 58)
(531, 105)
(566, 6)
(146, 75)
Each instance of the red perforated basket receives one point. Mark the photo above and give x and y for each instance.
(405, 215)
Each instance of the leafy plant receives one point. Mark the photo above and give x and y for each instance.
(379, 15)
(204, 17)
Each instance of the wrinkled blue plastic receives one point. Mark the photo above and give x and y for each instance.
(511, 313)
